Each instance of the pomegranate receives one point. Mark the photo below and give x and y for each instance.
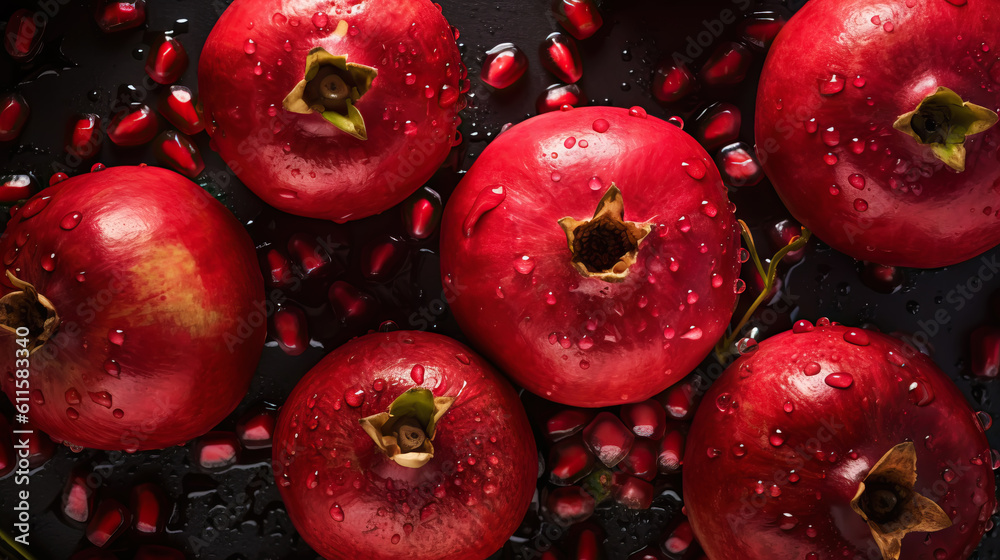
(404, 438)
(335, 110)
(587, 236)
(883, 142)
(831, 441)
(138, 292)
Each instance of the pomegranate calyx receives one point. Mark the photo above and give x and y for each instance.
(28, 309)
(331, 87)
(605, 246)
(887, 502)
(943, 120)
(404, 432)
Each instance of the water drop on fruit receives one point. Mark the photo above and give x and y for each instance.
(985, 420)
(812, 368)
(694, 333)
(860, 204)
(354, 396)
(487, 199)
(49, 262)
(746, 346)
(524, 265)
(777, 438)
(830, 136)
(320, 20)
(695, 168)
(857, 180)
(839, 380)
(831, 85)
(116, 337)
(601, 125)
(103, 398)
(857, 337)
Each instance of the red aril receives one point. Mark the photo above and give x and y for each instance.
(256, 429)
(130, 240)
(514, 257)
(180, 107)
(78, 495)
(569, 461)
(559, 97)
(422, 213)
(882, 278)
(167, 60)
(16, 187)
(311, 260)
(504, 65)
(291, 330)
(560, 56)
(119, 15)
(739, 166)
(366, 459)
(836, 426)
(671, 452)
(673, 82)
(763, 25)
(566, 423)
(569, 505)
(985, 342)
(109, 522)
(608, 439)
(216, 451)
(349, 303)
(148, 503)
(133, 126)
(718, 125)
(382, 258)
(727, 66)
(279, 269)
(632, 492)
(678, 540)
(179, 153)
(580, 17)
(85, 136)
(642, 459)
(14, 113)
(23, 35)
(385, 122)
(646, 419)
(874, 110)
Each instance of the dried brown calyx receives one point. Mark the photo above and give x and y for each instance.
(405, 432)
(887, 501)
(331, 87)
(606, 245)
(28, 309)
(943, 121)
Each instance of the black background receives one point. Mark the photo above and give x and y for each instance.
(238, 514)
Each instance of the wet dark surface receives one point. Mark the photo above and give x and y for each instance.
(238, 514)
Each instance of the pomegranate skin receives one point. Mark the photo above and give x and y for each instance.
(585, 341)
(348, 500)
(911, 209)
(156, 285)
(300, 163)
(808, 480)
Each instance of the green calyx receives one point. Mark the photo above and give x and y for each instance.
(943, 121)
(331, 87)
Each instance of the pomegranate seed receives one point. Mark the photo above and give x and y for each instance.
(119, 15)
(646, 419)
(256, 429)
(633, 492)
(422, 213)
(762, 27)
(727, 66)
(8, 457)
(16, 187)
(78, 497)
(986, 351)
(23, 35)
(671, 455)
(782, 233)
(14, 112)
(133, 126)
(569, 505)
(673, 82)
(279, 269)
(641, 461)
(85, 136)
(179, 152)
(608, 438)
(560, 56)
(156, 552)
(108, 523)
(216, 450)
(580, 17)
(718, 125)
(348, 303)
(566, 423)
(311, 260)
(557, 96)
(148, 503)
(739, 165)
(882, 278)
(588, 545)
(181, 108)
(291, 330)
(381, 259)
(679, 540)
(167, 60)
(569, 462)
(504, 65)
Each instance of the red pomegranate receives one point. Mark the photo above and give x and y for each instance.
(139, 299)
(837, 442)
(875, 122)
(334, 109)
(404, 444)
(592, 254)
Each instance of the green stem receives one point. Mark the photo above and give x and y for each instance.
(723, 348)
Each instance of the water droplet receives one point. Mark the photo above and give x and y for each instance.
(601, 126)
(812, 368)
(49, 262)
(830, 159)
(116, 337)
(695, 168)
(857, 180)
(72, 413)
(859, 82)
(840, 380)
(596, 184)
(777, 438)
(336, 513)
(888, 27)
(70, 221)
(354, 396)
(860, 204)
(788, 407)
(249, 47)
(740, 286)
(746, 346)
(556, 176)
(112, 368)
(709, 209)
(524, 265)
(694, 333)
(488, 198)
(857, 337)
(417, 374)
(832, 85)
(920, 393)
(320, 20)
(985, 420)
(724, 401)
(102, 398)
(713, 452)
(637, 112)
(118, 413)
(830, 136)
